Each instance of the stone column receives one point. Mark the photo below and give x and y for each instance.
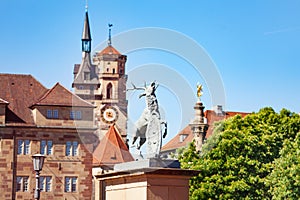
(198, 125)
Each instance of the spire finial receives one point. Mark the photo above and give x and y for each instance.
(199, 91)
(109, 34)
(86, 5)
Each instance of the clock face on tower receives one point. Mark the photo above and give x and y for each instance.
(109, 114)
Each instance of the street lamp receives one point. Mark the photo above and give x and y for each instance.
(38, 161)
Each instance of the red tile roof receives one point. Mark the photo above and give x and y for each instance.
(60, 96)
(211, 117)
(176, 141)
(109, 50)
(111, 150)
(21, 91)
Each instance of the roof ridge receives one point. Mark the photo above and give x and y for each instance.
(73, 96)
(3, 101)
(103, 51)
(47, 93)
(114, 144)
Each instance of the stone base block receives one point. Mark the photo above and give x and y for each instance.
(145, 184)
(146, 163)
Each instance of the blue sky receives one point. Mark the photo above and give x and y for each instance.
(255, 45)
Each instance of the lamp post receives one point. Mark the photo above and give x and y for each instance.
(38, 161)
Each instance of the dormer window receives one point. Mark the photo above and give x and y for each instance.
(78, 114)
(72, 114)
(52, 114)
(182, 137)
(49, 114)
(75, 114)
(55, 114)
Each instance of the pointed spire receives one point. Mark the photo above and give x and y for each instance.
(109, 34)
(86, 34)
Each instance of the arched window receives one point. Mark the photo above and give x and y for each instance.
(109, 91)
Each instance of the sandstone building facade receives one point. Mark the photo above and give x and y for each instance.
(53, 122)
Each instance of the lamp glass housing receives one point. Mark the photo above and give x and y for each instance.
(38, 161)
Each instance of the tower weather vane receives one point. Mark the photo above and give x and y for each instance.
(109, 34)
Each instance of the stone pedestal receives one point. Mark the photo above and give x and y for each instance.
(147, 163)
(145, 184)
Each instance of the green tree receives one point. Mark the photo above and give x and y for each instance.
(236, 163)
(284, 180)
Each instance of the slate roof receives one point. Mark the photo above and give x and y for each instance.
(76, 68)
(21, 91)
(86, 66)
(111, 150)
(60, 96)
(86, 34)
(211, 117)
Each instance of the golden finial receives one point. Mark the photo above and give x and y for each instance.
(199, 91)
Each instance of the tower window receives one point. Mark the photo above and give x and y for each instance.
(109, 91)
(114, 71)
(86, 46)
(86, 76)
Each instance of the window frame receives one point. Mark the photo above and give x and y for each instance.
(22, 184)
(78, 115)
(71, 183)
(45, 183)
(23, 147)
(72, 114)
(72, 148)
(52, 114)
(55, 114)
(47, 148)
(49, 114)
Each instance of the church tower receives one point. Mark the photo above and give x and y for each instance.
(102, 82)
(85, 74)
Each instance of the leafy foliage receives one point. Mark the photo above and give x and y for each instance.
(236, 161)
(284, 181)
